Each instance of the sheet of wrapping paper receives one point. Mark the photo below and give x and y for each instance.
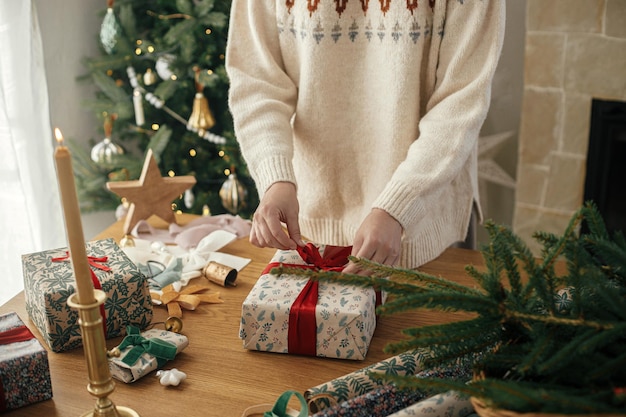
(360, 382)
(146, 363)
(382, 401)
(446, 404)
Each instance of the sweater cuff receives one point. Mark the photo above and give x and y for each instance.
(271, 170)
(395, 200)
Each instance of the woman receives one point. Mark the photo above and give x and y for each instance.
(359, 120)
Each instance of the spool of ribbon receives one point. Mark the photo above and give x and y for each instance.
(220, 274)
(161, 350)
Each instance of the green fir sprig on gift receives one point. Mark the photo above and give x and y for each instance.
(544, 339)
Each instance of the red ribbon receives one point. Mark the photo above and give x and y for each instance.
(302, 336)
(17, 334)
(14, 335)
(95, 262)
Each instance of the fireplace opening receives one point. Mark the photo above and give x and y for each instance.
(605, 180)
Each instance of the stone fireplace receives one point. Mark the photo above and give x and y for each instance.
(575, 55)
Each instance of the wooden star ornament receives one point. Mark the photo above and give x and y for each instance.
(151, 194)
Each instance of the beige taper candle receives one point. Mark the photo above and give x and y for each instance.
(73, 223)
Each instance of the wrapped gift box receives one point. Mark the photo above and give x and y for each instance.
(49, 281)
(24, 370)
(344, 315)
(142, 353)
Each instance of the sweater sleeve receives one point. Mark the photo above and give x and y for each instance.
(466, 60)
(262, 96)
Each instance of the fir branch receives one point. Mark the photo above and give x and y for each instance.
(441, 301)
(517, 316)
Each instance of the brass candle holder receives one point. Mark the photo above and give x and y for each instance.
(101, 383)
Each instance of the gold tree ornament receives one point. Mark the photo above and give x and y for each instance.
(201, 118)
(151, 194)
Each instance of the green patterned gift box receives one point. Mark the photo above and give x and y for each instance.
(24, 369)
(49, 282)
(142, 353)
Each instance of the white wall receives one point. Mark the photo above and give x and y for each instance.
(70, 30)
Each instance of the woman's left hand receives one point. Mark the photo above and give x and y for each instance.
(378, 239)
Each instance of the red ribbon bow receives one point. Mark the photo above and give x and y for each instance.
(302, 336)
(96, 262)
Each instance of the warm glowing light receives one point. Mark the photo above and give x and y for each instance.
(227, 172)
(210, 72)
(58, 135)
(151, 49)
(208, 31)
(192, 152)
(137, 51)
(171, 173)
(222, 56)
(109, 72)
(154, 126)
(174, 77)
(221, 154)
(139, 41)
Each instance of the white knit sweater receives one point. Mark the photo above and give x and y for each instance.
(363, 104)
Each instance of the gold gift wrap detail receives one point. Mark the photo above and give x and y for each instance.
(220, 274)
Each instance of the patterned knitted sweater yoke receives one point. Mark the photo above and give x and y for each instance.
(366, 104)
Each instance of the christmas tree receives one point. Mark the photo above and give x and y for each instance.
(539, 339)
(161, 85)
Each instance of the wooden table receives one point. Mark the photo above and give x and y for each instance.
(223, 378)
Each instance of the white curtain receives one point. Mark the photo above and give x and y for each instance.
(30, 213)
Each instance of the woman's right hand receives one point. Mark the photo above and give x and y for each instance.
(278, 206)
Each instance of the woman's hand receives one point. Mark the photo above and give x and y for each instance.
(278, 206)
(378, 239)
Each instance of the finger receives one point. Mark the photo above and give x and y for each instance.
(276, 235)
(293, 228)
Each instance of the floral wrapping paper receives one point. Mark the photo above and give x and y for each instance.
(24, 369)
(49, 281)
(360, 382)
(345, 315)
(446, 404)
(381, 401)
(330, 398)
(146, 362)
